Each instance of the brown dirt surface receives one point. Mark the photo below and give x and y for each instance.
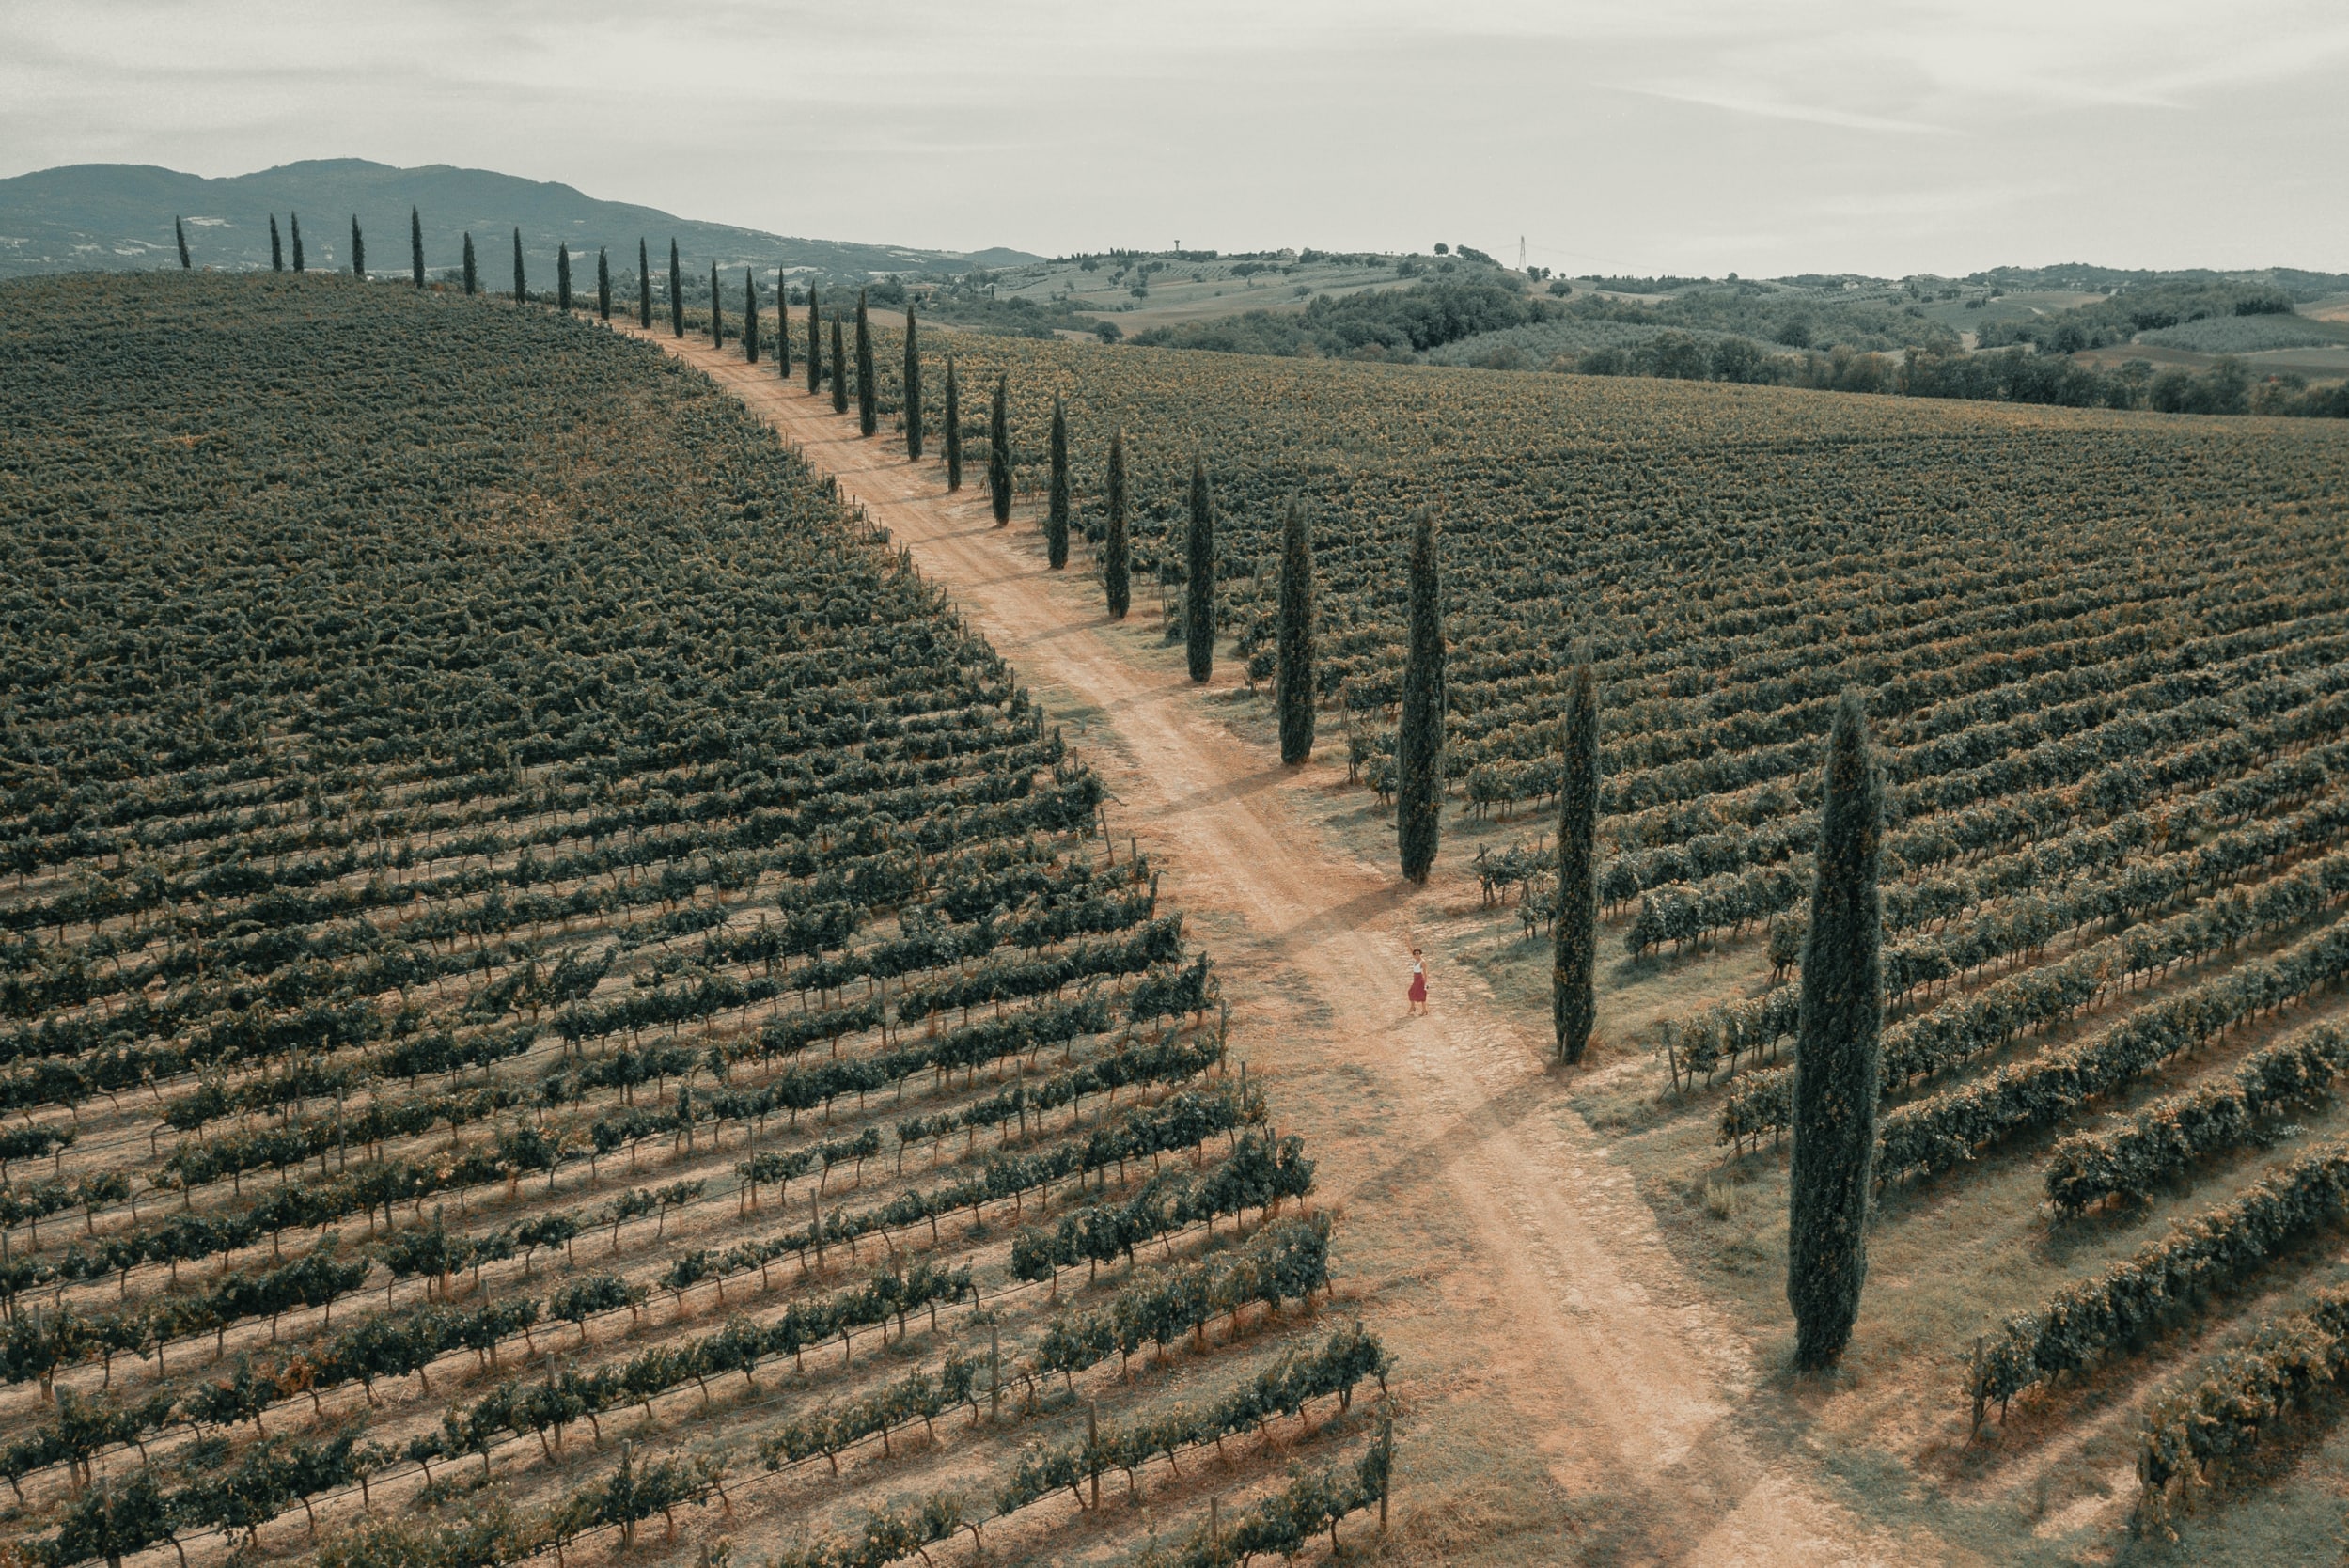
(1568, 1395)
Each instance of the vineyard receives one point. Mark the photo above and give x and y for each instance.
(713, 1082)
(2106, 658)
(713, 1078)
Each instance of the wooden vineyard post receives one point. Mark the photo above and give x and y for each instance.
(1980, 1397)
(994, 1372)
(1215, 1523)
(1092, 1444)
(1386, 1474)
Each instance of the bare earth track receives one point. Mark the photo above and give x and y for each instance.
(1567, 1393)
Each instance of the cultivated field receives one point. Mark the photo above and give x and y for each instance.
(705, 1068)
(2104, 655)
(717, 1066)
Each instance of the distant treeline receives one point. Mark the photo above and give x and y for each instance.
(1367, 325)
(1404, 324)
(2146, 307)
(2018, 375)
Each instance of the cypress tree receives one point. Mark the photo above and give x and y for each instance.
(277, 247)
(999, 453)
(294, 220)
(358, 249)
(913, 390)
(1838, 1058)
(1117, 553)
(472, 273)
(521, 283)
(1057, 507)
(717, 314)
(676, 294)
(1292, 648)
(954, 431)
(643, 285)
(179, 232)
(1199, 575)
(603, 283)
(815, 344)
(415, 246)
(1574, 959)
(751, 318)
(562, 276)
(1420, 742)
(782, 326)
(868, 394)
(839, 370)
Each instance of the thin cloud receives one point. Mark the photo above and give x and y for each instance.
(1809, 114)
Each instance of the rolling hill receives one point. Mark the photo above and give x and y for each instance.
(84, 216)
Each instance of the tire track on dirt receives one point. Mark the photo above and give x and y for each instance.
(1537, 1281)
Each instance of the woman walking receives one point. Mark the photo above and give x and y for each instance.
(1419, 983)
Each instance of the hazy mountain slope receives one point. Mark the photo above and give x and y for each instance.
(112, 215)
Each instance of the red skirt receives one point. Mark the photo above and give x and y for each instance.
(1419, 988)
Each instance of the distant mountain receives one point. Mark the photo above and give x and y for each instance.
(118, 215)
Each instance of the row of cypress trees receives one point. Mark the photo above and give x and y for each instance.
(470, 271)
(1837, 1066)
(1116, 549)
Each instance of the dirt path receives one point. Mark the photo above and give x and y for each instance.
(1569, 1393)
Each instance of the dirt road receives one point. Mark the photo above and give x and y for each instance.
(1568, 1393)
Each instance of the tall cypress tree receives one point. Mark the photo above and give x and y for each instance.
(603, 283)
(1199, 575)
(1839, 1059)
(521, 283)
(717, 313)
(1057, 505)
(676, 294)
(562, 276)
(999, 453)
(293, 221)
(815, 344)
(1573, 959)
(277, 247)
(644, 285)
(1420, 742)
(751, 318)
(912, 398)
(839, 370)
(1116, 561)
(1292, 646)
(473, 272)
(358, 249)
(868, 394)
(954, 430)
(782, 326)
(179, 232)
(415, 246)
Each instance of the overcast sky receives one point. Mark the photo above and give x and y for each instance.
(1697, 136)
